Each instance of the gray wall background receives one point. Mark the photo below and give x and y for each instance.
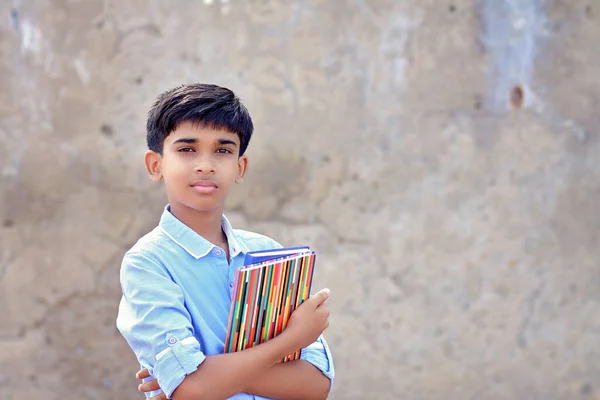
(441, 156)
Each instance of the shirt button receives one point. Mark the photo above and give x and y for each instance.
(230, 284)
(218, 252)
(172, 340)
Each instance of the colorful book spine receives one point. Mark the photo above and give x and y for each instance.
(264, 297)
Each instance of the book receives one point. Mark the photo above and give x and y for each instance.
(267, 289)
(255, 257)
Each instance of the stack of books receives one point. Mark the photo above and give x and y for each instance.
(267, 289)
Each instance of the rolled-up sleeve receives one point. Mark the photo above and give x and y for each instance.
(155, 323)
(319, 355)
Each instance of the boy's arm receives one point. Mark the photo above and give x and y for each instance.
(309, 377)
(225, 375)
(299, 379)
(289, 381)
(154, 321)
(295, 380)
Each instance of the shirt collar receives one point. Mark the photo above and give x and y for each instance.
(190, 241)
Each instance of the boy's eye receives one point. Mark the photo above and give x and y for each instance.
(224, 151)
(185, 150)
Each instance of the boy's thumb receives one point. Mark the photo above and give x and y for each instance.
(320, 296)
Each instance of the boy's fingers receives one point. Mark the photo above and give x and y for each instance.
(324, 309)
(142, 374)
(149, 386)
(161, 396)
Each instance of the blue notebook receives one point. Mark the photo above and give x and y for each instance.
(255, 257)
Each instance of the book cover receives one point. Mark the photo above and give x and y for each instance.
(267, 289)
(255, 257)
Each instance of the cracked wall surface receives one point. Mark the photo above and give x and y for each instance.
(441, 156)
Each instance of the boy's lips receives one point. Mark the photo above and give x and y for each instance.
(205, 186)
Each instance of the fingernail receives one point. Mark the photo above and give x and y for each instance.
(326, 291)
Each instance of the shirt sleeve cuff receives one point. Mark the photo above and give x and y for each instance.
(319, 355)
(177, 361)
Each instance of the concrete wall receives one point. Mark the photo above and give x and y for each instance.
(441, 156)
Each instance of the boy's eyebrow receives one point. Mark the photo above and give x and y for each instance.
(227, 141)
(186, 140)
(194, 140)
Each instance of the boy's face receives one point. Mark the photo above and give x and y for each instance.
(198, 166)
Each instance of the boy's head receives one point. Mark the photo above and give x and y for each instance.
(203, 105)
(197, 136)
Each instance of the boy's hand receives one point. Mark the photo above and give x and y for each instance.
(150, 385)
(309, 320)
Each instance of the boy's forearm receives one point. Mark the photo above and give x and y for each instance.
(224, 375)
(290, 381)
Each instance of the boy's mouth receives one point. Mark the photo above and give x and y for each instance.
(205, 186)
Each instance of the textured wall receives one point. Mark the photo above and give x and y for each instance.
(441, 156)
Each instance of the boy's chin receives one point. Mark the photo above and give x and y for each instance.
(204, 209)
(201, 207)
(207, 207)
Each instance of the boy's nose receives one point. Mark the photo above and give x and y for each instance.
(204, 165)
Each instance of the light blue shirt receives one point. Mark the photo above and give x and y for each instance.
(177, 290)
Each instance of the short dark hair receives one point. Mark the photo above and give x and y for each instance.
(203, 104)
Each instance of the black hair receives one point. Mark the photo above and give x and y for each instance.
(203, 104)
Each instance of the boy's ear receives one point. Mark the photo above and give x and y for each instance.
(152, 162)
(242, 167)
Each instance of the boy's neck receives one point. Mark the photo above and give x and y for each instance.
(208, 225)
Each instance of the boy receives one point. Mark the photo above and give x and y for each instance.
(177, 280)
